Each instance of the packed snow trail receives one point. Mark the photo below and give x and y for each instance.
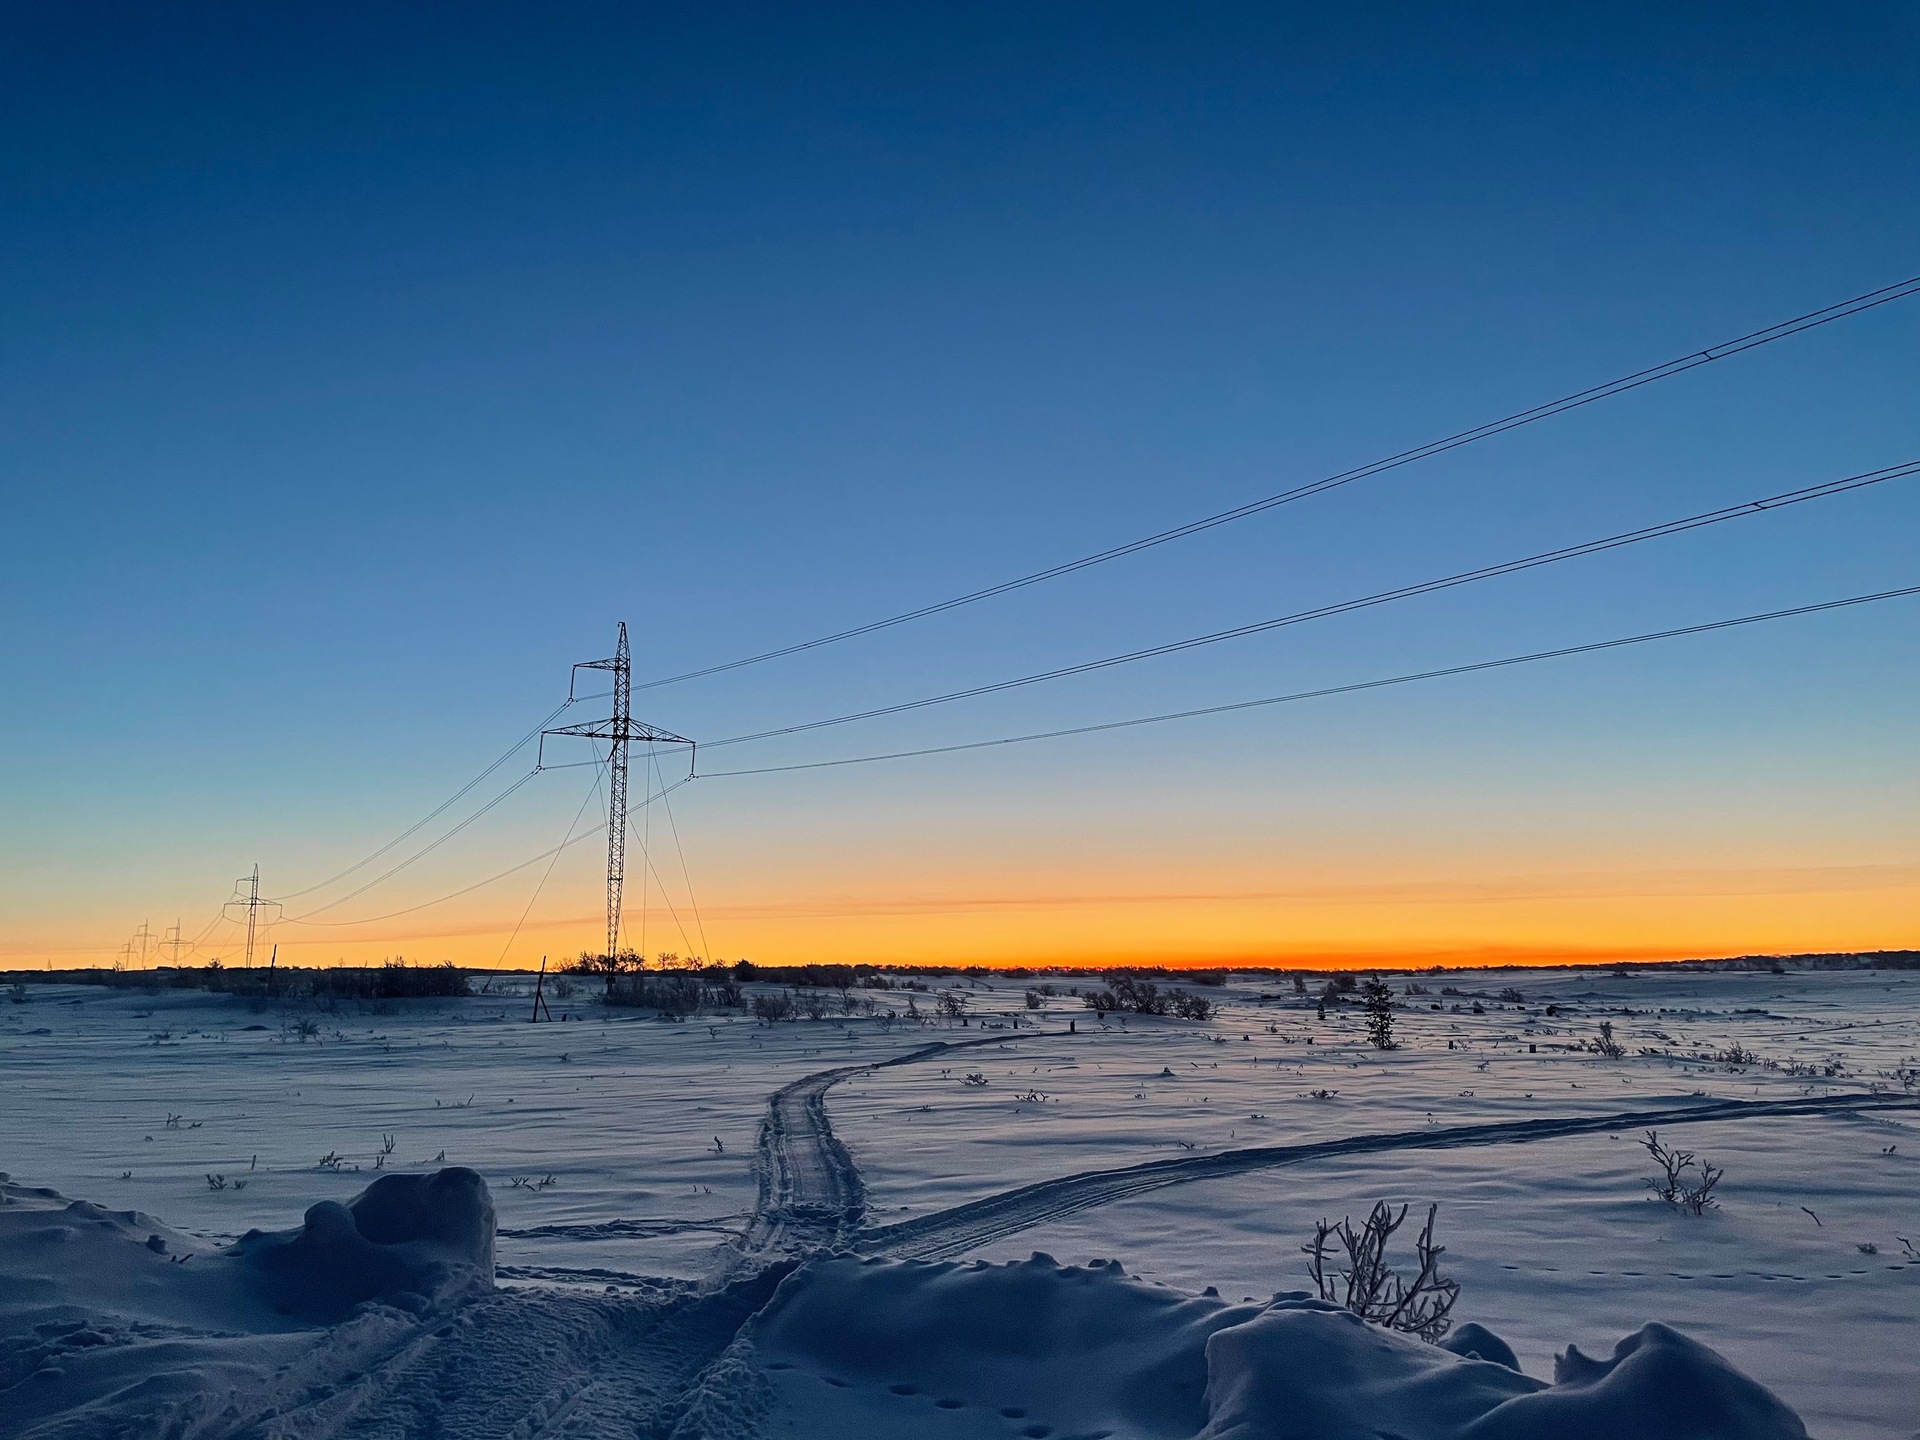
(810, 1196)
(520, 1365)
(952, 1232)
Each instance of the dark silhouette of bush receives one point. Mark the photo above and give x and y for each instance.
(1127, 996)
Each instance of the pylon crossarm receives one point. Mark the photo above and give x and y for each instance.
(638, 732)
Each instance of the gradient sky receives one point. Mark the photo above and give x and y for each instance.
(363, 365)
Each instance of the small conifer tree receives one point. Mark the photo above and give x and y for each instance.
(1379, 1006)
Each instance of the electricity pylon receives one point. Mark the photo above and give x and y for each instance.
(620, 729)
(252, 903)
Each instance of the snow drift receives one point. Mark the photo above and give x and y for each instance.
(416, 1242)
(113, 1324)
(379, 1316)
(894, 1349)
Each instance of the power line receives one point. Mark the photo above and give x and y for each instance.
(548, 873)
(646, 857)
(481, 884)
(458, 795)
(1332, 690)
(1300, 617)
(1812, 319)
(685, 874)
(421, 853)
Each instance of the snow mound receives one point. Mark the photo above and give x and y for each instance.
(417, 1242)
(887, 1349)
(1305, 1369)
(112, 1325)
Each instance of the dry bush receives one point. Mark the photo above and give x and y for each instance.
(1606, 1045)
(1128, 996)
(1365, 1284)
(1683, 1182)
(773, 1008)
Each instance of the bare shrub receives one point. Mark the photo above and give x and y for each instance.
(611, 966)
(674, 997)
(1033, 999)
(1189, 1006)
(1684, 1182)
(772, 1008)
(1365, 1284)
(953, 1005)
(1605, 1045)
(1127, 996)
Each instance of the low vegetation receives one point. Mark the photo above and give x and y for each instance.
(1684, 1182)
(1349, 1268)
(1125, 995)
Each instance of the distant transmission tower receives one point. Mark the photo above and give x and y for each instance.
(620, 729)
(251, 903)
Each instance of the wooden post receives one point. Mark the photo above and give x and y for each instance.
(540, 995)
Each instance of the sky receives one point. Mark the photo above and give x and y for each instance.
(365, 366)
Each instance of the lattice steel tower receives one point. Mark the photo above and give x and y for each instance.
(621, 730)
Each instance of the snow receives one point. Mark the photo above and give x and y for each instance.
(643, 1210)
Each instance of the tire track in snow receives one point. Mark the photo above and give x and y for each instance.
(951, 1232)
(810, 1193)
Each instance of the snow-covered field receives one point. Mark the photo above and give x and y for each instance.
(646, 1173)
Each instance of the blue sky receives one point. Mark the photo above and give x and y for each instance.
(364, 366)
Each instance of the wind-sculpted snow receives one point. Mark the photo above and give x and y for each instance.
(375, 1318)
(418, 1242)
(890, 1350)
(967, 1227)
(113, 1327)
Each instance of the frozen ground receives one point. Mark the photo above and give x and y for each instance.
(668, 1163)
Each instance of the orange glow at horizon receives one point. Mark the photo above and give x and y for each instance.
(1550, 919)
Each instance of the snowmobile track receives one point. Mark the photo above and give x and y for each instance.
(955, 1231)
(810, 1195)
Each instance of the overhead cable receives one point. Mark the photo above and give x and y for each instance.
(1330, 690)
(424, 850)
(458, 795)
(501, 875)
(1799, 324)
(547, 874)
(1384, 597)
